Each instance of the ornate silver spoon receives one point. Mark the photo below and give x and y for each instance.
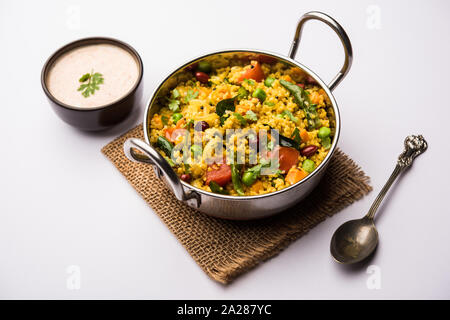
(355, 240)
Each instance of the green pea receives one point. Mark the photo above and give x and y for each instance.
(260, 94)
(268, 82)
(324, 132)
(176, 117)
(204, 66)
(308, 165)
(248, 178)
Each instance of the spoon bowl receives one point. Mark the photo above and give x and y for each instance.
(354, 241)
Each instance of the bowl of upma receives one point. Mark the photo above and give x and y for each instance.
(242, 134)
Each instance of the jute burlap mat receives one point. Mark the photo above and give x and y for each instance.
(225, 249)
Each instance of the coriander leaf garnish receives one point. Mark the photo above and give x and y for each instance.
(174, 104)
(93, 82)
(191, 94)
(250, 115)
(85, 77)
(175, 93)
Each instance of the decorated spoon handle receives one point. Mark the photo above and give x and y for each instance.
(414, 146)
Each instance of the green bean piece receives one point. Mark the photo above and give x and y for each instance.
(290, 116)
(302, 100)
(241, 119)
(217, 188)
(236, 179)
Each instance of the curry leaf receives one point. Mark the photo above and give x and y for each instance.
(224, 105)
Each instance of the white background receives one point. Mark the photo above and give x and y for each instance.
(63, 203)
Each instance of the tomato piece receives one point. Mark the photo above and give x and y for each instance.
(172, 134)
(301, 85)
(287, 158)
(220, 174)
(256, 73)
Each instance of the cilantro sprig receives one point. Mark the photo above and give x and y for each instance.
(250, 115)
(93, 81)
(174, 103)
(191, 94)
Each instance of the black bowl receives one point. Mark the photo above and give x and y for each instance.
(102, 117)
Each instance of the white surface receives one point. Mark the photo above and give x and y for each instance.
(63, 203)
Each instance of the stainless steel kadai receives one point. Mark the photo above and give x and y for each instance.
(242, 207)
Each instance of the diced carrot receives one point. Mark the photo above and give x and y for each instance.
(157, 121)
(304, 135)
(173, 133)
(287, 78)
(181, 123)
(242, 109)
(295, 175)
(316, 98)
